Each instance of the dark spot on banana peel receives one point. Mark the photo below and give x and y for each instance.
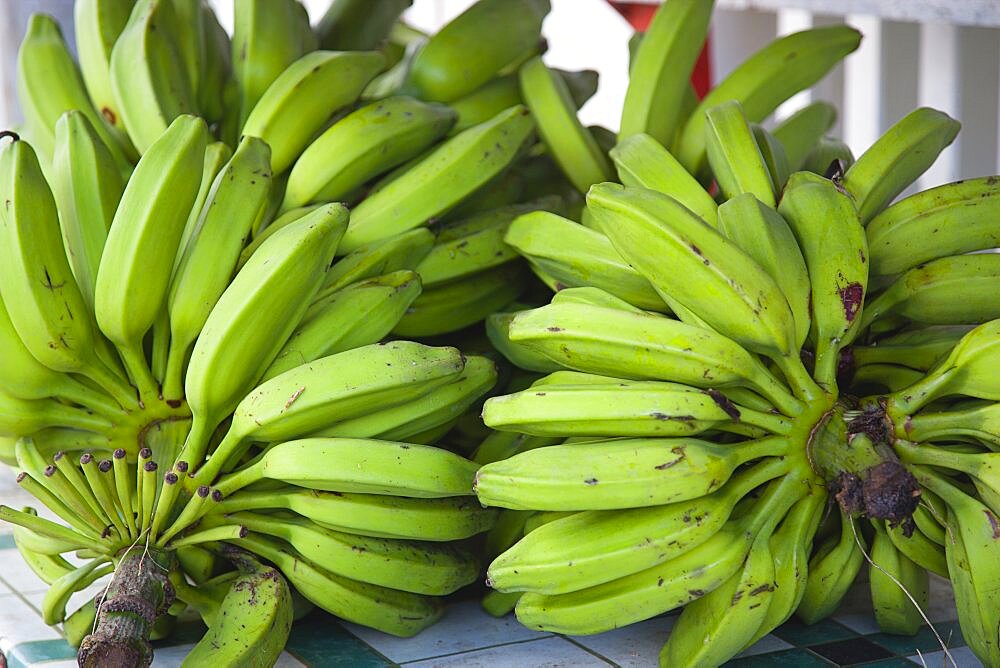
(766, 587)
(723, 402)
(851, 297)
(174, 403)
(554, 329)
(994, 524)
(665, 417)
(292, 399)
(590, 481)
(665, 465)
(835, 172)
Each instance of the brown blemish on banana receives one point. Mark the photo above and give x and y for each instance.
(679, 451)
(723, 402)
(590, 481)
(292, 399)
(851, 297)
(663, 417)
(993, 523)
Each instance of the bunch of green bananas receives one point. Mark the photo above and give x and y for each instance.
(201, 359)
(748, 395)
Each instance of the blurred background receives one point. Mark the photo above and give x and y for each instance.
(939, 53)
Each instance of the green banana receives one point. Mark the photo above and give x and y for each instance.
(486, 102)
(948, 220)
(918, 548)
(209, 259)
(663, 587)
(919, 348)
(574, 148)
(23, 417)
(790, 546)
(774, 157)
(459, 304)
(48, 567)
(388, 610)
(362, 145)
(148, 87)
(98, 24)
(465, 53)
(360, 465)
(87, 187)
(79, 623)
(441, 179)
(330, 389)
(398, 252)
(24, 377)
(899, 587)
(36, 282)
(981, 423)
(951, 290)
(276, 283)
(253, 621)
(438, 408)
(971, 549)
(622, 473)
(708, 275)
(353, 25)
(832, 569)
(304, 96)
(497, 325)
(53, 607)
(575, 256)
(660, 70)
(886, 377)
(216, 86)
(643, 162)
(714, 627)
(835, 250)
(968, 370)
(445, 519)
(801, 131)
(49, 83)
(829, 157)
(623, 344)
(651, 409)
(358, 315)
(735, 156)
(467, 246)
(765, 80)
(217, 154)
(897, 158)
(597, 546)
(267, 38)
(418, 567)
(134, 275)
(767, 238)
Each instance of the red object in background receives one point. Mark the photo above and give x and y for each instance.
(639, 14)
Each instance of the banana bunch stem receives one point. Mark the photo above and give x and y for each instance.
(139, 592)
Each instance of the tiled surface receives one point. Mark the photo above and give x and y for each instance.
(468, 638)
